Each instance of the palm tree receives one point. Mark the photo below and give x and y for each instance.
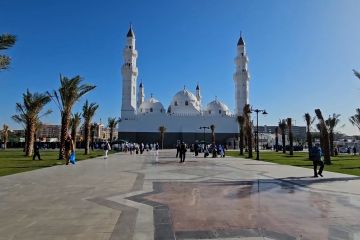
(69, 93)
(212, 128)
(324, 135)
(29, 115)
(248, 128)
(75, 123)
(355, 119)
(282, 127)
(241, 121)
(291, 137)
(331, 124)
(5, 135)
(6, 41)
(162, 131)
(88, 113)
(309, 120)
(277, 139)
(112, 122)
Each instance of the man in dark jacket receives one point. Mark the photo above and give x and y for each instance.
(316, 157)
(36, 151)
(182, 152)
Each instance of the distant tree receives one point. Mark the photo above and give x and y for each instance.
(212, 128)
(276, 139)
(241, 122)
(162, 131)
(291, 137)
(88, 113)
(248, 129)
(5, 135)
(309, 121)
(112, 122)
(355, 119)
(331, 124)
(282, 127)
(6, 41)
(324, 135)
(75, 123)
(68, 94)
(29, 112)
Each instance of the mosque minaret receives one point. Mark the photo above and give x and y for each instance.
(141, 118)
(241, 77)
(129, 74)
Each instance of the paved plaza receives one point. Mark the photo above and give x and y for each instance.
(133, 197)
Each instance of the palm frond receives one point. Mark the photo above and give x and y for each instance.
(7, 41)
(4, 62)
(356, 73)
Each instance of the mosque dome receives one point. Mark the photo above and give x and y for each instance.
(185, 102)
(151, 106)
(217, 108)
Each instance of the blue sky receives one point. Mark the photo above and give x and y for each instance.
(301, 52)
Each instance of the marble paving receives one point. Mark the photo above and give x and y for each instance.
(133, 197)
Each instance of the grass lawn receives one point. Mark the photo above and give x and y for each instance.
(348, 164)
(13, 160)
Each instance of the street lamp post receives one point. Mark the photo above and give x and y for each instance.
(263, 111)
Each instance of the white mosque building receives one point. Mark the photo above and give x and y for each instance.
(141, 118)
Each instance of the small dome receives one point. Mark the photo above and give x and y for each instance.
(151, 106)
(217, 108)
(185, 102)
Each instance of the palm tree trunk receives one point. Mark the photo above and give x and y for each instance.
(111, 135)
(65, 120)
(73, 136)
(291, 139)
(162, 140)
(87, 138)
(276, 143)
(213, 137)
(327, 158)
(249, 141)
(331, 139)
(283, 142)
(31, 139)
(241, 142)
(309, 141)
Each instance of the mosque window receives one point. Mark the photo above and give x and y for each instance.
(209, 111)
(242, 54)
(219, 111)
(130, 47)
(161, 110)
(175, 103)
(186, 103)
(140, 109)
(151, 109)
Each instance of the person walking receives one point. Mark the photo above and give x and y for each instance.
(36, 151)
(69, 148)
(107, 147)
(157, 147)
(178, 150)
(182, 152)
(196, 149)
(316, 157)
